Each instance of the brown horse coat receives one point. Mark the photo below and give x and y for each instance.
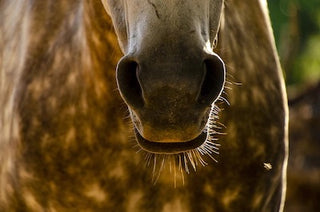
(65, 144)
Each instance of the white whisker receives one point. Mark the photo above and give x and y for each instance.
(185, 163)
(174, 176)
(154, 166)
(224, 100)
(191, 160)
(180, 163)
(215, 160)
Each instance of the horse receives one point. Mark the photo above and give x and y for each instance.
(140, 105)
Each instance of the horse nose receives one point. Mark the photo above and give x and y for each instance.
(202, 81)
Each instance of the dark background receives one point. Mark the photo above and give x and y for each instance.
(296, 25)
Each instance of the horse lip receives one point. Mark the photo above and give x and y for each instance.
(169, 148)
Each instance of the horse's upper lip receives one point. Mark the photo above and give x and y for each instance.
(169, 148)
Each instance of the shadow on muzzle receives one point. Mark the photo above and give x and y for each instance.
(170, 99)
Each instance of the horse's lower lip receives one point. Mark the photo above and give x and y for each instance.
(169, 148)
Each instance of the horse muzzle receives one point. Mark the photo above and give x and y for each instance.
(170, 98)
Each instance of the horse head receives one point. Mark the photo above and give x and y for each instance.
(169, 76)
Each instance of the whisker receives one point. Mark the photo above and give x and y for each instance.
(215, 160)
(224, 100)
(185, 163)
(160, 170)
(174, 176)
(203, 163)
(180, 168)
(191, 161)
(154, 166)
(180, 163)
(170, 164)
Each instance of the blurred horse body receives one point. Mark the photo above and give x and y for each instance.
(64, 143)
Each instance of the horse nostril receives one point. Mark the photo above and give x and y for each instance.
(213, 82)
(128, 82)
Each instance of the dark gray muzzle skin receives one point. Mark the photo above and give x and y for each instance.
(169, 93)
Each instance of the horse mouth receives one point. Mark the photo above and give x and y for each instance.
(171, 147)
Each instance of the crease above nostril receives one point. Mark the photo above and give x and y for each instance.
(128, 82)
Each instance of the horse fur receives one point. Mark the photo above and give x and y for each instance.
(65, 143)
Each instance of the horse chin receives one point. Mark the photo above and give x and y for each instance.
(170, 147)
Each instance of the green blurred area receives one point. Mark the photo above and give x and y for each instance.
(296, 25)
